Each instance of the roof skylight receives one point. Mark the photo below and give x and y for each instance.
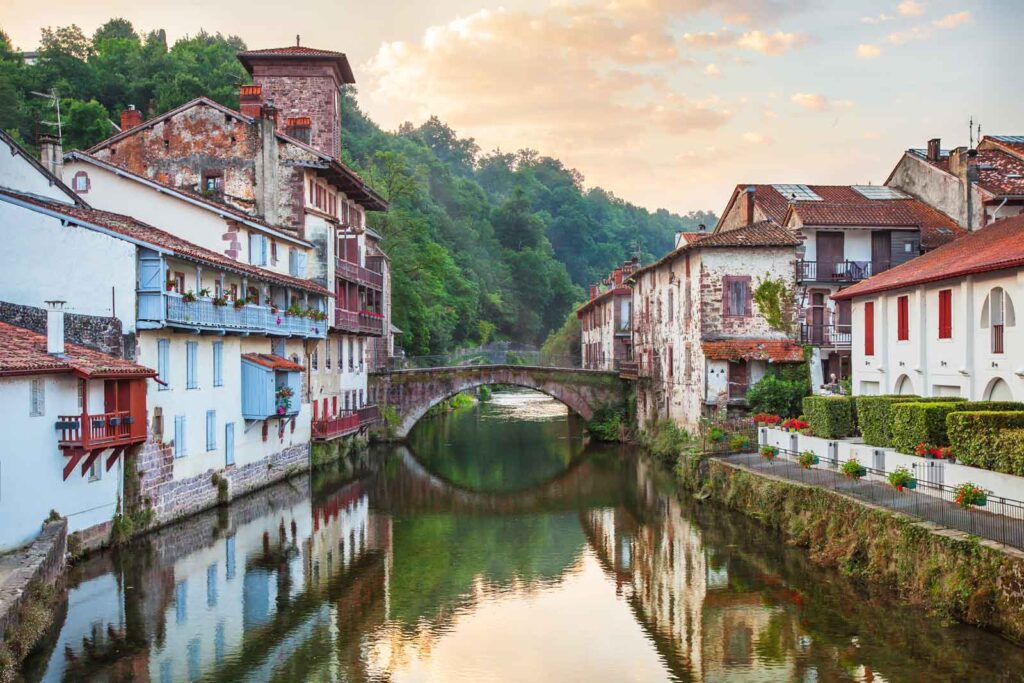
(797, 193)
(878, 192)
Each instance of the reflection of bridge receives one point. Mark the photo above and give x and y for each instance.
(413, 392)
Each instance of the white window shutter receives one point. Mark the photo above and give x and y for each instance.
(301, 264)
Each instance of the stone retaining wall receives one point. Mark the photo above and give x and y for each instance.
(43, 559)
(103, 334)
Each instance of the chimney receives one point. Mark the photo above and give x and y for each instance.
(130, 117)
(250, 100)
(300, 128)
(748, 206)
(617, 277)
(702, 228)
(267, 162)
(934, 149)
(593, 291)
(55, 327)
(51, 154)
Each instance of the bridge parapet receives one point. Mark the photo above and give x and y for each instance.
(411, 393)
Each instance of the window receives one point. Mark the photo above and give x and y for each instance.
(80, 183)
(163, 364)
(903, 318)
(96, 470)
(671, 362)
(191, 350)
(687, 361)
(946, 314)
(211, 430)
(341, 353)
(671, 305)
(314, 357)
(998, 319)
(259, 245)
(361, 355)
(179, 282)
(736, 295)
(213, 183)
(83, 404)
(869, 328)
(327, 355)
(179, 436)
(273, 253)
(351, 355)
(361, 402)
(218, 364)
(37, 400)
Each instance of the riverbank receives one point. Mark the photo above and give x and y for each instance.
(949, 572)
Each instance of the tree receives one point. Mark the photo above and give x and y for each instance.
(115, 29)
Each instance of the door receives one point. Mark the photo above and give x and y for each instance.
(817, 326)
(881, 251)
(842, 335)
(830, 256)
(738, 379)
(229, 444)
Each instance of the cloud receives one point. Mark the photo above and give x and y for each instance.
(868, 51)
(911, 34)
(878, 19)
(712, 71)
(774, 44)
(815, 102)
(710, 39)
(756, 138)
(871, 135)
(952, 20)
(910, 8)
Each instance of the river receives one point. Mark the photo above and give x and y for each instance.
(497, 545)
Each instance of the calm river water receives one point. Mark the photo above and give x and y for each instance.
(497, 546)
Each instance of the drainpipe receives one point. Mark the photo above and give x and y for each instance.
(995, 214)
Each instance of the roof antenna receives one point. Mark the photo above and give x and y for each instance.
(970, 130)
(296, 40)
(979, 132)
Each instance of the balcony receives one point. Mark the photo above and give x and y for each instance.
(202, 314)
(844, 272)
(359, 322)
(354, 272)
(827, 336)
(87, 435)
(343, 424)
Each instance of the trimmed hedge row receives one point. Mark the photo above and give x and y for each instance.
(874, 415)
(991, 440)
(830, 417)
(914, 423)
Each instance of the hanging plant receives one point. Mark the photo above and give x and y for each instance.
(188, 297)
(808, 458)
(969, 495)
(901, 479)
(853, 469)
(220, 301)
(283, 399)
(768, 452)
(204, 292)
(239, 304)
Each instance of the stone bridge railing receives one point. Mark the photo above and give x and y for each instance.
(411, 393)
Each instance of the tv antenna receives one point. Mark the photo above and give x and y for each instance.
(55, 103)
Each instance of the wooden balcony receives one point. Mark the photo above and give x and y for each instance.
(359, 322)
(87, 435)
(629, 370)
(827, 336)
(844, 272)
(345, 423)
(353, 272)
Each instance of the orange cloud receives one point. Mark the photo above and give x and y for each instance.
(868, 51)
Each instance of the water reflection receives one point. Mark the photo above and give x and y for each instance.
(597, 571)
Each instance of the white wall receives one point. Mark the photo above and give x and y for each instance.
(335, 381)
(43, 260)
(18, 174)
(32, 466)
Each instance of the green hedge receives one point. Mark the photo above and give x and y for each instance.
(874, 415)
(990, 440)
(830, 417)
(1005, 406)
(914, 423)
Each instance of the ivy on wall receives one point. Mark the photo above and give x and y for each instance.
(775, 302)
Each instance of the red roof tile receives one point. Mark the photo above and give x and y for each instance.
(300, 52)
(995, 247)
(23, 352)
(775, 350)
(1000, 173)
(141, 232)
(273, 362)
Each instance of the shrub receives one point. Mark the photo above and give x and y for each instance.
(665, 440)
(914, 423)
(606, 425)
(738, 442)
(988, 406)
(775, 395)
(874, 415)
(830, 417)
(990, 440)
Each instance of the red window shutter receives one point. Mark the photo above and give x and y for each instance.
(946, 314)
(869, 328)
(903, 318)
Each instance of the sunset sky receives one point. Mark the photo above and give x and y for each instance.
(668, 103)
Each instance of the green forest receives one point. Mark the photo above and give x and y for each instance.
(483, 245)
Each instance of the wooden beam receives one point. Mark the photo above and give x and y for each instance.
(112, 458)
(74, 455)
(90, 460)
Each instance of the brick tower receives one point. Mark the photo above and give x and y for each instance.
(304, 86)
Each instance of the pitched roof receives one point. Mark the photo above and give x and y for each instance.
(299, 52)
(18, 150)
(23, 352)
(999, 160)
(269, 360)
(775, 350)
(997, 246)
(1013, 143)
(621, 291)
(760, 234)
(142, 233)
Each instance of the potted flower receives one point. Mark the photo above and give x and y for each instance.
(204, 292)
(808, 458)
(283, 399)
(794, 425)
(767, 419)
(239, 304)
(768, 452)
(970, 494)
(188, 297)
(293, 310)
(170, 285)
(853, 469)
(901, 479)
(220, 301)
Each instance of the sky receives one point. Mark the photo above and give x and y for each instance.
(667, 103)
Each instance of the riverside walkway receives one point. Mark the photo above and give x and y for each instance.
(1001, 520)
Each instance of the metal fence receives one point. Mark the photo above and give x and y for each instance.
(1000, 520)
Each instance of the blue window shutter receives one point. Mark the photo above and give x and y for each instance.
(293, 262)
(163, 347)
(300, 264)
(190, 364)
(211, 432)
(179, 436)
(254, 249)
(218, 364)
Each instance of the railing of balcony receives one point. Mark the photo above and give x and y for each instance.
(100, 430)
(371, 323)
(203, 313)
(835, 336)
(347, 422)
(357, 273)
(838, 271)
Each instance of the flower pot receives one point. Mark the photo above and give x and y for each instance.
(912, 484)
(98, 424)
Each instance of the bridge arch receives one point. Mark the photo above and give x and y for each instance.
(413, 392)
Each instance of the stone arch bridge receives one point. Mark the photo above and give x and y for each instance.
(413, 392)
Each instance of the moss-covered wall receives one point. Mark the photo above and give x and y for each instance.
(949, 572)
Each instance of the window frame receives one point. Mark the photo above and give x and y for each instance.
(903, 318)
(945, 317)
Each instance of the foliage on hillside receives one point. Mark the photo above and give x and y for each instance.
(483, 246)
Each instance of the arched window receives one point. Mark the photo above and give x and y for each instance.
(904, 387)
(997, 314)
(998, 390)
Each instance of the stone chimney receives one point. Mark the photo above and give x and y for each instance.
(267, 164)
(299, 127)
(130, 117)
(593, 291)
(748, 206)
(51, 154)
(934, 149)
(617, 277)
(250, 100)
(55, 327)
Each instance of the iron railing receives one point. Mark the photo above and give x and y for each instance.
(202, 313)
(838, 271)
(834, 336)
(1000, 520)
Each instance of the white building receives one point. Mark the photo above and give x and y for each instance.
(699, 339)
(945, 323)
(606, 321)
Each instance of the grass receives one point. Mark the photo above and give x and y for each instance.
(34, 618)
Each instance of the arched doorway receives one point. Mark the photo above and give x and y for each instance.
(998, 390)
(904, 387)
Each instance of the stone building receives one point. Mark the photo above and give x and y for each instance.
(847, 233)
(277, 160)
(699, 338)
(974, 187)
(945, 324)
(606, 321)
